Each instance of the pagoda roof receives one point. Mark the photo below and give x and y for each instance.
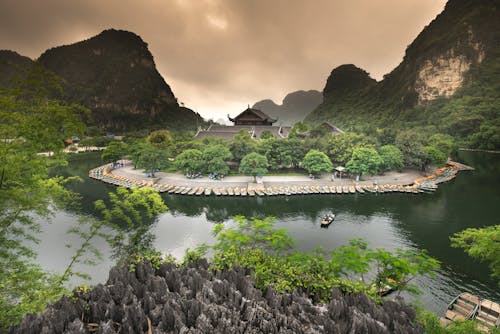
(258, 113)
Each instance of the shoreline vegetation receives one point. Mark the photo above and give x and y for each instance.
(405, 182)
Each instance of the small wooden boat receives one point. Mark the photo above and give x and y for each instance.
(388, 288)
(488, 314)
(327, 219)
(463, 307)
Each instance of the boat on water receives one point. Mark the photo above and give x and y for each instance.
(327, 219)
(388, 288)
(467, 306)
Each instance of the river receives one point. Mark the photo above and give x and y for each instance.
(423, 221)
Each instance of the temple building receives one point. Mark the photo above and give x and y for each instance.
(252, 117)
(252, 120)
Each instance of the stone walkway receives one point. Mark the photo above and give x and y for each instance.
(408, 181)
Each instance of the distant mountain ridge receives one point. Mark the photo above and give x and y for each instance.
(448, 71)
(294, 108)
(114, 75)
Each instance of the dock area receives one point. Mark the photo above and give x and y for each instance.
(279, 186)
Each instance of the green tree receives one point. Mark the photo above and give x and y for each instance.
(131, 214)
(341, 147)
(189, 161)
(277, 153)
(268, 252)
(253, 164)
(160, 138)
(316, 162)
(434, 156)
(364, 161)
(299, 129)
(217, 151)
(295, 149)
(135, 150)
(392, 158)
(152, 158)
(481, 243)
(242, 144)
(114, 151)
(217, 166)
(444, 143)
(215, 157)
(410, 144)
(30, 122)
(266, 135)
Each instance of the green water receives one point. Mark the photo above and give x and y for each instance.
(423, 221)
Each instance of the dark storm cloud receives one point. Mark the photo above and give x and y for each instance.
(219, 55)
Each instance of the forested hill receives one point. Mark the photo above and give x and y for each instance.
(114, 75)
(448, 82)
(11, 64)
(294, 108)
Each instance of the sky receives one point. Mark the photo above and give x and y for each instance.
(218, 56)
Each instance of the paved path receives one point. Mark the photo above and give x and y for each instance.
(404, 178)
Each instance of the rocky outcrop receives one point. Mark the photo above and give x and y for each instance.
(443, 75)
(195, 300)
(294, 108)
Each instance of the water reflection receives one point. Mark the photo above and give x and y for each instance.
(388, 220)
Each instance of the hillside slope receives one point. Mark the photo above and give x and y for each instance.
(12, 65)
(114, 75)
(448, 81)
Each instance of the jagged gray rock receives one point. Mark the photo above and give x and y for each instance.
(195, 300)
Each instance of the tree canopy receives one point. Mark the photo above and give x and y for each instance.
(253, 164)
(316, 162)
(364, 161)
(482, 244)
(189, 161)
(392, 158)
(31, 122)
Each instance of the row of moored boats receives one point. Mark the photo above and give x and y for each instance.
(428, 184)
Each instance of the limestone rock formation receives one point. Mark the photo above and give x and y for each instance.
(195, 300)
(114, 75)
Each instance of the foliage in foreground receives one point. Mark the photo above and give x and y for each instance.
(255, 244)
(481, 243)
(30, 122)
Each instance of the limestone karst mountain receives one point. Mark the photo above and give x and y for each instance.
(115, 76)
(448, 81)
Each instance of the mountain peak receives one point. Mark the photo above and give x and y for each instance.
(114, 75)
(346, 78)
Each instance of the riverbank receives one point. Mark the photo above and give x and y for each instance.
(408, 181)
